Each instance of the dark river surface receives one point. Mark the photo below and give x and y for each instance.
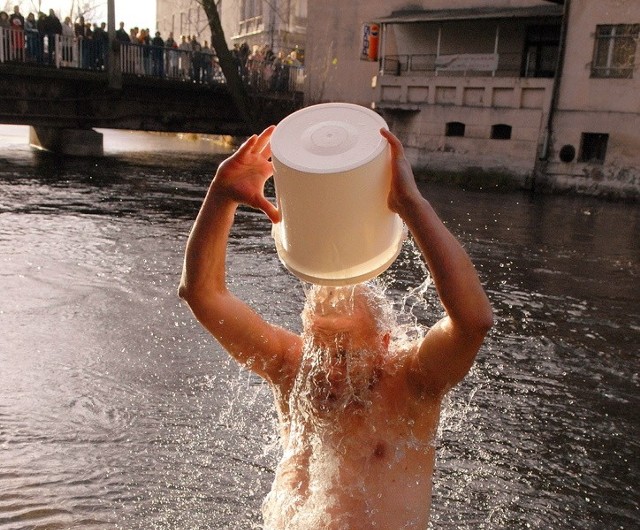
(118, 411)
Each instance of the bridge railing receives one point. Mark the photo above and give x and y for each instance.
(59, 51)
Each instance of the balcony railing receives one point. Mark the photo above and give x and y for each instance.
(504, 64)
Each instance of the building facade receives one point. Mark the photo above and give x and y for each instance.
(182, 17)
(546, 93)
(280, 24)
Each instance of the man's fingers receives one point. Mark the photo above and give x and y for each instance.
(262, 141)
(272, 212)
(248, 145)
(396, 146)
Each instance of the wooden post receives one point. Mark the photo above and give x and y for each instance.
(114, 70)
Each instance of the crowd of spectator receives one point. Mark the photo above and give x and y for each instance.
(262, 69)
(46, 39)
(33, 39)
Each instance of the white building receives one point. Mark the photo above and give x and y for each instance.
(541, 92)
(281, 24)
(182, 17)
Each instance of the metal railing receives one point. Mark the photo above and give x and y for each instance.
(427, 64)
(59, 51)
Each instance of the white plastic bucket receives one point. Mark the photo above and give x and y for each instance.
(332, 175)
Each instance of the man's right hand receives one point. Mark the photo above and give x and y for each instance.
(242, 176)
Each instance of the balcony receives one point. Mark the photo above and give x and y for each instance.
(410, 83)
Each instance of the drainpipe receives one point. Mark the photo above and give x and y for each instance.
(382, 49)
(540, 163)
(272, 24)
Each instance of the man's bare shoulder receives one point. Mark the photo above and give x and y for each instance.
(404, 369)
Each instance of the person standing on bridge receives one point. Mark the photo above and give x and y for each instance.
(121, 34)
(83, 36)
(16, 20)
(68, 34)
(31, 35)
(172, 56)
(185, 58)
(53, 30)
(157, 56)
(5, 28)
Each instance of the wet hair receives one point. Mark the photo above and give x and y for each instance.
(371, 293)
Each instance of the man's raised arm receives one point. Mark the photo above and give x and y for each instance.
(450, 346)
(268, 350)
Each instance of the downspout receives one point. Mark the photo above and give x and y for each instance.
(495, 47)
(543, 158)
(382, 49)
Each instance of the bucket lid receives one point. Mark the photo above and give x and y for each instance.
(328, 138)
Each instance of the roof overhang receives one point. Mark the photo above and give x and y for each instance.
(441, 15)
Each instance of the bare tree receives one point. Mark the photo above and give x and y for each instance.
(74, 8)
(228, 65)
(34, 6)
(89, 10)
(25, 7)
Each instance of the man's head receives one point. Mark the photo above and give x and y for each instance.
(354, 317)
(346, 332)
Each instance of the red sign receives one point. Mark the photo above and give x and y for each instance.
(370, 42)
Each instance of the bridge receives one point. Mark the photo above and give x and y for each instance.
(63, 88)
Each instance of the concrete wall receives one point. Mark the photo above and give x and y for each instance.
(418, 107)
(334, 69)
(479, 104)
(597, 105)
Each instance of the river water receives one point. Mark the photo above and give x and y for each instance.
(118, 411)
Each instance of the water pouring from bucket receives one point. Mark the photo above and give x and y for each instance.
(332, 174)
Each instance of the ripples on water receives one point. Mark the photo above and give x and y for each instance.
(118, 411)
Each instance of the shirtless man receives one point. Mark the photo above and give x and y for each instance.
(358, 413)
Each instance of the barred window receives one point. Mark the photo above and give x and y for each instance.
(593, 147)
(615, 49)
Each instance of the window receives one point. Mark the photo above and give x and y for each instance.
(454, 128)
(251, 9)
(250, 16)
(501, 131)
(301, 9)
(593, 147)
(541, 51)
(614, 53)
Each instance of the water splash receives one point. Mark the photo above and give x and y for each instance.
(337, 431)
